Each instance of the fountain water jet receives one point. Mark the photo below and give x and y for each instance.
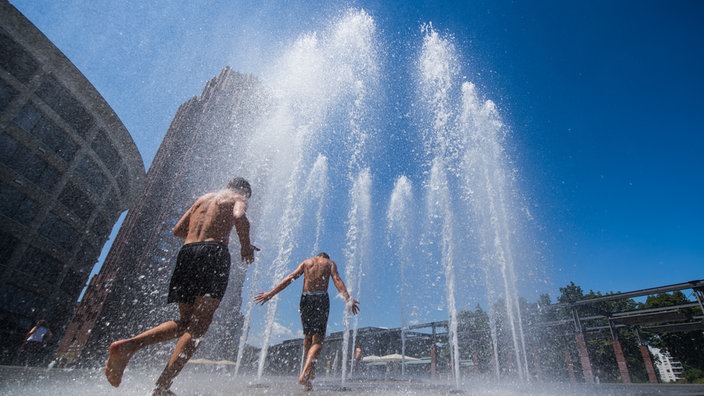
(486, 183)
(437, 70)
(315, 146)
(323, 92)
(315, 192)
(314, 95)
(467, 160)
(398, 217)
(356, 252)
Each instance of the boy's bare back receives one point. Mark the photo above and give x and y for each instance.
(317, 271)
(211, 217)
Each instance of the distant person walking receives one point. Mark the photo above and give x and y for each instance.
(358, 356)
(314, 306)
(198, 282)
(36, 339)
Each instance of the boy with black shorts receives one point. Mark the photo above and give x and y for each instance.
(198, 282)
(314, 306)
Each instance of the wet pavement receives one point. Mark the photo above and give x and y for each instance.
(195, 381)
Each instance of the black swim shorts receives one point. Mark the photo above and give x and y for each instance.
(315, 308)
(202, 269)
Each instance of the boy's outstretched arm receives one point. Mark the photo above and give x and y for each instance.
(263, 297)
(340, 285)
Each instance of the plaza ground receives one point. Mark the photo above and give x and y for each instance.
(216, 381)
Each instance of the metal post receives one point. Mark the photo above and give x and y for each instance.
(620, 357)
(582, 348)
(645, 353)
(700, 298)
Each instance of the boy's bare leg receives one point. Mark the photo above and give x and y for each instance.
(200, 315)
(121, 351)
(308, 374)
(307, 342)
(317, 341)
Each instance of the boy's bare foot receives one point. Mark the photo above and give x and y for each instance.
(303, 380)
(117, 361)
(158, 391)
(307, 385)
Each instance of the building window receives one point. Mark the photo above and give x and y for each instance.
(27, 117)
(112, 204)
(6, 94)
(77, 201)
(19, 301)
(86, 257)
(48, 178)
(90, 172)
(7, 247)
(72, 283)
(15, 59)
(46, 131)
(17, 206)
(58, 232)
(61, 100)
(123, 181)
(100, 227)
(106, 151)
(8, 145)
(55, 138)
(33, 168)
(40, 265)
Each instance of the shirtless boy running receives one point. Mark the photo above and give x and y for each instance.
(198, 282)
(314, 306)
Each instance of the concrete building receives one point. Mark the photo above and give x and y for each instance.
(199, 153)
(68, 169)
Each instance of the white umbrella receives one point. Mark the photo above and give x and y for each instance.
(394, 357)
(372, 359)
(208, 361)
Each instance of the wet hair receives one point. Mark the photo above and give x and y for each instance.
(240, 183)
(324, 255)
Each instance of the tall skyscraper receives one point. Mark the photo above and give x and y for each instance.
(201, 149)
(68, 168)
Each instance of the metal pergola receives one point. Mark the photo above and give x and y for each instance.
(589, 318)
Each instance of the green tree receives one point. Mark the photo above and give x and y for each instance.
(474, 338)
(570, 293)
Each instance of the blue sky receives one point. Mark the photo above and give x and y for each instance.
(603, 101)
